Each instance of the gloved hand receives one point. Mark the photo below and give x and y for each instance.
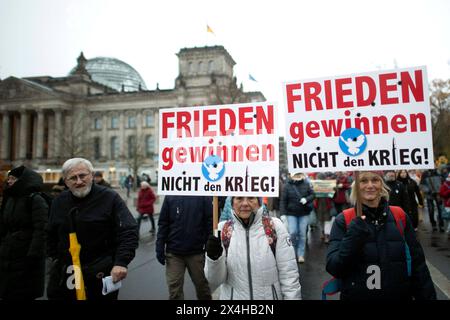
(303, 200)
(359, 227)
(214, 247)
(161, 257)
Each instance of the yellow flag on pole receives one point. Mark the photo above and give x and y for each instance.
(208, 29)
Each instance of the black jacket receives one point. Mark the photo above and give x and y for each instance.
(398, 196)
(377, 242)
(184, 224)
(293, 191)
(104, 225)
(413, 191)
(22, 239)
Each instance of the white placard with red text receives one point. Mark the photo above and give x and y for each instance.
(219, 150)
(387, 114)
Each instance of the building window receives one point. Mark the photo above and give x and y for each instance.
(132, 147)
(97, 124)
(149, 146)
(114, 122)
(200, 67)
(114, 148)
(191, 68)
(149, 120)
(96, 148)
(131, 122)
(210, 66)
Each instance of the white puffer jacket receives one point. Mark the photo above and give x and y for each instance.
(250, 271)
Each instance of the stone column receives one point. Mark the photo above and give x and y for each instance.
(40, 135)
(5, 135)
(122, 134)
(139, 122)
(140, 139)
(105, 136)
(59, 134)
(156, 134)
(51, 136)
(23, 135)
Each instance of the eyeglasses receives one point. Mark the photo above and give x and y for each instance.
(81, 176)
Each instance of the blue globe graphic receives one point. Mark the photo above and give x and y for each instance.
(213, 168)
(352, 142)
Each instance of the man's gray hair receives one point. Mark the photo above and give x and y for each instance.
(69, 164)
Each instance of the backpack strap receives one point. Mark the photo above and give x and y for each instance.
(349, 215)
(400, 221)
(331, 287)
(269, 230)
(400, 218)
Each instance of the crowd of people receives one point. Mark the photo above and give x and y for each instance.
(367, 220)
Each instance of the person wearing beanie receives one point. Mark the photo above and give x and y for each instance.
(398, 195)
(145, 201)
(412, 188)
(253, 259)
(23, 218)
(98, 179)
(368, 253)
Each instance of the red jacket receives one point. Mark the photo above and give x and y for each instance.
(146, 199)
(445, 193)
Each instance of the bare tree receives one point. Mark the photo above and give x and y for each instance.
(225, 91)
(72, 135)
(136, 155)
(440, 115)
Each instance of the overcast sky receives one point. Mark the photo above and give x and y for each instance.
(275, 41)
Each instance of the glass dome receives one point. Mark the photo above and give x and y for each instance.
(114, 73)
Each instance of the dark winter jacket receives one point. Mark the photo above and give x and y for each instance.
(293, 191)
(104, 183)
(184, 224)
(145, 201)
(413, 191)
(22, 239)
(376, 241)
(398, 196)
(104, 226)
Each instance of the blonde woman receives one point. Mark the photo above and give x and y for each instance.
(370, 253)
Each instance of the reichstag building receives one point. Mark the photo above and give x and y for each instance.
(103, 111)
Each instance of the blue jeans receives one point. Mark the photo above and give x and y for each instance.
(297, 230)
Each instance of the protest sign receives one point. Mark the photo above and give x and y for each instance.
(324, 188)
(370, 121)
(219, 150)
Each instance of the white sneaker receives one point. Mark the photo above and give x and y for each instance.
(301, 259)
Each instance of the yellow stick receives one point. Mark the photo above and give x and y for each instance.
(74, 250)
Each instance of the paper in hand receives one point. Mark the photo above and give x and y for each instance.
(109, 286)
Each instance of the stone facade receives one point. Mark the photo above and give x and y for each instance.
(46, 120)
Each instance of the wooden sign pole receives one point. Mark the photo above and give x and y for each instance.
(358, 195)
(215, 215)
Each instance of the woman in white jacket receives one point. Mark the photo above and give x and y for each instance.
(258, 262)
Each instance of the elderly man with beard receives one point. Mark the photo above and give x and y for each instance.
(105, 228)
